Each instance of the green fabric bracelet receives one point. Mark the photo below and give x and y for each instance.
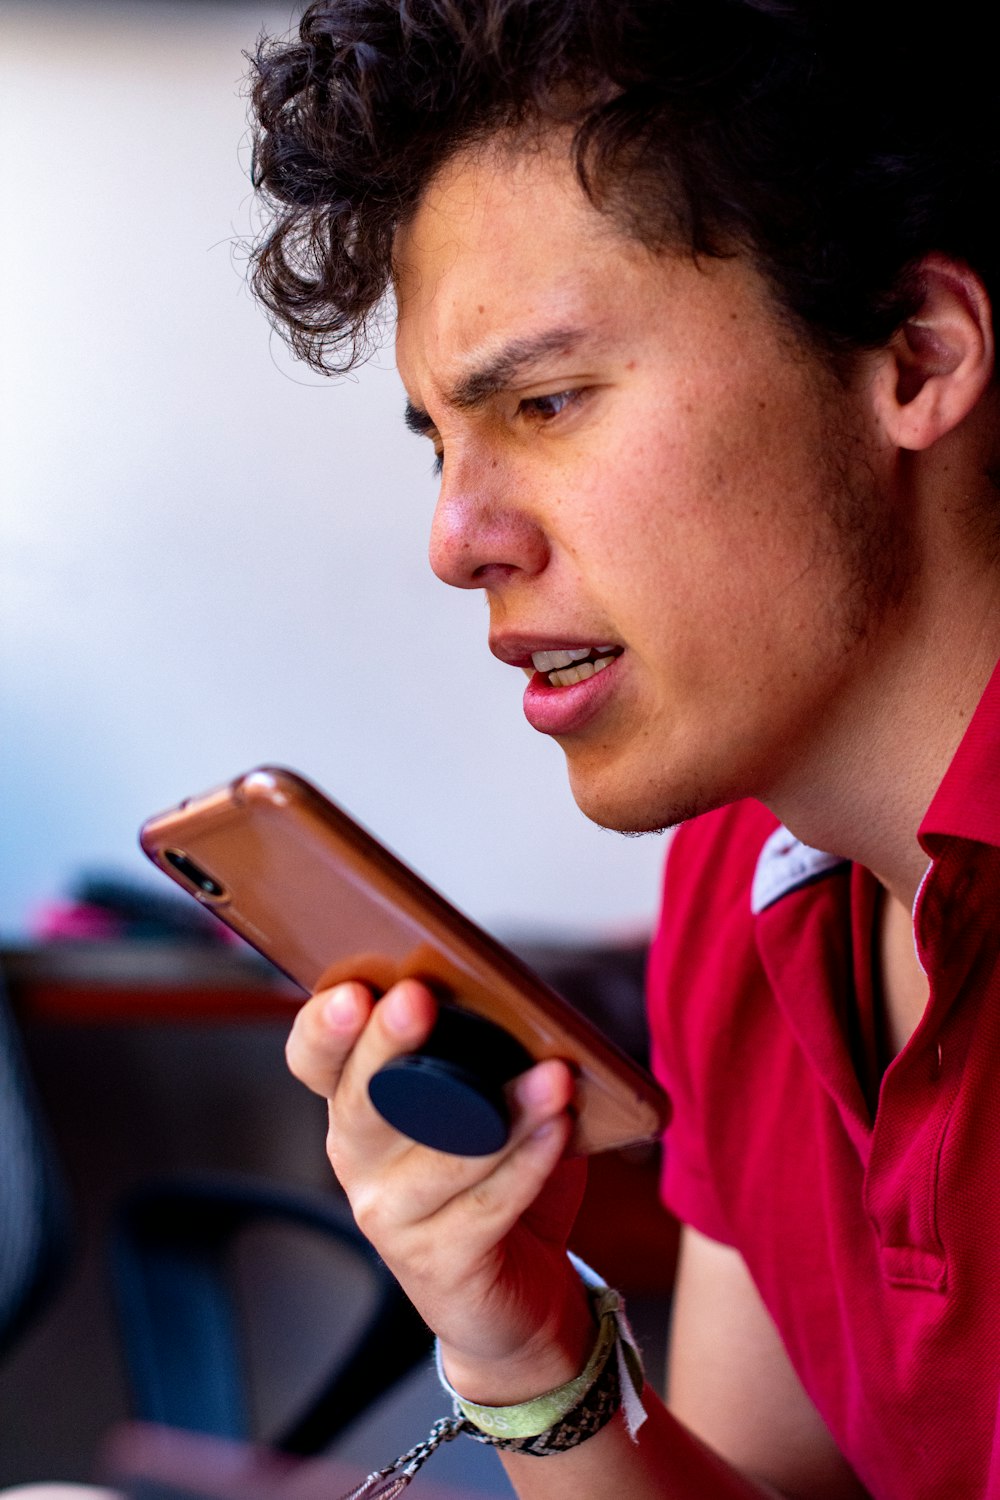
(531, 1418)
(548, 1424)
(561, 1418)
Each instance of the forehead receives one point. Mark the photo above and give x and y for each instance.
(501, 241)
(505, 250)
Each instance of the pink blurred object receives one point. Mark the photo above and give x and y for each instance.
(76, 921)
(102, 907)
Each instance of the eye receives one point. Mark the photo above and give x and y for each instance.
(437, 469)
(544, 408)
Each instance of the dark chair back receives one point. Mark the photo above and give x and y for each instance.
(34, 1219)
(184, 1330)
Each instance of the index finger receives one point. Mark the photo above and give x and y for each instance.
(333, 1023)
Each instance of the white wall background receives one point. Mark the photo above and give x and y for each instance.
(208, 556)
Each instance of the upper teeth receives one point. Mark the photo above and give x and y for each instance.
(564, 668)
(551, 661)
(554, 661)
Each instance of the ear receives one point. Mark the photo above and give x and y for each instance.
(940, 362)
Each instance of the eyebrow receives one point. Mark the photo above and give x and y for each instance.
(498, 372)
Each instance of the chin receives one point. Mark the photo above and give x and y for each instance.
(611, 802)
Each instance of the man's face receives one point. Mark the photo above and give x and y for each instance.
(639, 463)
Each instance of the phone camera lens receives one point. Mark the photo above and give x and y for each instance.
(193, 873)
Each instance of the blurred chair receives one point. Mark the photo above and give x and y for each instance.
(184, 1326)
(173, 1251)
(34, 1223)
(34, 1220)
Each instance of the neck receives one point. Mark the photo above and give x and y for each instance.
(864, 786)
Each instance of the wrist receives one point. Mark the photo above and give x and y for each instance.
(555, 1354)
(563, 1416)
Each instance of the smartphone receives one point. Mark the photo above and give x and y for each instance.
(318, 895)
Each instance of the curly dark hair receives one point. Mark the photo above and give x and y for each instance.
(830, 140)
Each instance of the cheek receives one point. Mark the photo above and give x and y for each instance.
(675, 498)
(717, 543)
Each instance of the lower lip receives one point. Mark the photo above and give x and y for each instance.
(565, 710)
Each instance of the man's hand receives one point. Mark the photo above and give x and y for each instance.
(477, 1243)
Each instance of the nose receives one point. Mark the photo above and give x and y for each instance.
(479, 540)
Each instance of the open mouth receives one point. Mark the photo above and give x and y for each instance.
(565, 668)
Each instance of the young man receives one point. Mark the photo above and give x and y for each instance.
(694, 303)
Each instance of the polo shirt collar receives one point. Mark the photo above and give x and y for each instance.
(967, 803)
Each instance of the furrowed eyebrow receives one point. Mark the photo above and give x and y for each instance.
(512, 362)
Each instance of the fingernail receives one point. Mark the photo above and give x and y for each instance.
(341, 1009)
(398, 1012)
(535, 1088)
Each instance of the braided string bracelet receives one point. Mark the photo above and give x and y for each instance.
(560, 1419)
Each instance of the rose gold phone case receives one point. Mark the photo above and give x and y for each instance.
(320, 897)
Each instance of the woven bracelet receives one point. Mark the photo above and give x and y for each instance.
(571, 1413)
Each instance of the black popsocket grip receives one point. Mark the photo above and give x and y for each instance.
(450, 1094)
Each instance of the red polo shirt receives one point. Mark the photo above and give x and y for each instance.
(872, 1233)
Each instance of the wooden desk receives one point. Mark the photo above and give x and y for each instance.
(87, 983)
